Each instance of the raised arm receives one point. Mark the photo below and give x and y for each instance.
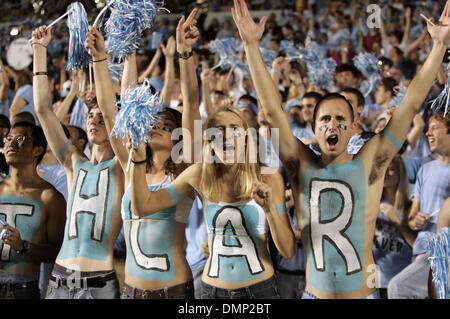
(143, 201)
(187, 35)
(130, 73)
(151, 67)
(169, 73)
(393, 136)
(63, 108)
(104, 89)
(265, 87)
(60, 145)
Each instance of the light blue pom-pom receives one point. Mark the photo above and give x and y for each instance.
(268, 56)
(77, 23)
(320, 69)
(442, 101)
(440, 260)
(78, 114)
(115, 71)
(128, 20)
(367, 63)
(228, 50)
(289, 49)
(138, 114)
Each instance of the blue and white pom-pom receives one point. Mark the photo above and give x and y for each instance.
(367, 63)
(138, 114)
(228, 50)
(115, 71)
(441, 102)
(320, 69)
(78, 28)
(128, 20)
(289, 49)
(397, 99)
(440, 260)
(268, 56)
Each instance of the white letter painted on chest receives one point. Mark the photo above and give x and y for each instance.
(95, 205)
(246, 247)
(332, 230)
(11, 211)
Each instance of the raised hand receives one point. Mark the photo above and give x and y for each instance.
(41, 35)
(169, 49)
(138, 152)
(187, 33)
(441, 31)
(249, 31)
(95, 43)
(262, 194)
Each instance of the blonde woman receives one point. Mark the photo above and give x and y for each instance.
(240, 204)
(393, 240)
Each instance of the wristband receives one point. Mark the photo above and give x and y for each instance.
(139, 162)
(39, 44)
(40, 73)
(101, 60)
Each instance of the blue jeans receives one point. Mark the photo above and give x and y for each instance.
(308, 295)
(266, 289)
(165, 291)
(290, 286)
(109, 291)
(411, 282)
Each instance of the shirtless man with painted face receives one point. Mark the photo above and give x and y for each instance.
(84, 267)
(337, 195)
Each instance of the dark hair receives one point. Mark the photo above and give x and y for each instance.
(81, 134)
(332, 96)
(38, 137)
(389, 84)
(360, 97)
(386, 61)
(170, 164)
(347, 67)
(312, 95)
(248, 97)
(27, 117)
(4, 121)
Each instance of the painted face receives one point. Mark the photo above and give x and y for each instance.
(229, 142)
(96, 129)
(333, 127)
(18, 146)
(161, 135)
(438, 138)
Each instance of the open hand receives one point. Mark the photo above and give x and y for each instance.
(441, 31)
(249, 31)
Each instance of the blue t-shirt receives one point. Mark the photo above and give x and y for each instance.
(432, 189)
(55, 175)
(26, 93)
(390, 250)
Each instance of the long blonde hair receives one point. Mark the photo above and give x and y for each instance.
(247, 173)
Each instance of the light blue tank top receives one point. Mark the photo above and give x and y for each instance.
(90, 210)
(333, 212)
(234, 230)
(150, 240)
(24, 214)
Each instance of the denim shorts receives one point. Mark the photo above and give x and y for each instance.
(266, 289)
(308, 295)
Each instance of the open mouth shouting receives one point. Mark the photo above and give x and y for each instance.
(332, 140)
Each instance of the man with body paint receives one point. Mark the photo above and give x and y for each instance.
(84, 267)
(31, 214)
(337, 195)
